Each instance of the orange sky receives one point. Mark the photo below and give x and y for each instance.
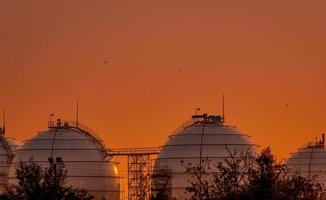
(165, 58)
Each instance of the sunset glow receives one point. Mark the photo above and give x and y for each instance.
(141, 68)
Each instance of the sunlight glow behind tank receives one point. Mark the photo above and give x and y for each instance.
(116, 170)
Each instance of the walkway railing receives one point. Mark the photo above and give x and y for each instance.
(134, 151)
(83, 128)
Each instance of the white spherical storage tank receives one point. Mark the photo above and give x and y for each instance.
(310, 161)
(83, 154)
(204, 138)
(8, 147)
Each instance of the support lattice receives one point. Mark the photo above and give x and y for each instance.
(139, 182)
(140, 162)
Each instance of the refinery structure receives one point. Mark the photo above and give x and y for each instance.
(89, 162)
(91, 165)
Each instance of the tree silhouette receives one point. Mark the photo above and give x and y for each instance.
(243, 177)
(34, 183)
(161, 184)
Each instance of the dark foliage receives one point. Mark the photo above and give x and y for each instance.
(37, 184)
(243, 177)
(161, 188)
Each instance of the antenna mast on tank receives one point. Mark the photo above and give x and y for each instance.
(223, 116)
(77, 113)
(4, 122)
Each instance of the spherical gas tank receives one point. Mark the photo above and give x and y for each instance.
(310, 161)
(85, 159)
(203, 139)
(8, 147)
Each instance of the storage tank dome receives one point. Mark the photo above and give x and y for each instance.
(310, 160)
(202, 138)
(8, 147)
(83, 154)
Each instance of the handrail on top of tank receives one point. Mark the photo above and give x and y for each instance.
(214, 119)
(312, 145)
(182, 126)
(91, 133)
(317, 144)
(85, 129)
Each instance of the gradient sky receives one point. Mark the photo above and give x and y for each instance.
(164, 59)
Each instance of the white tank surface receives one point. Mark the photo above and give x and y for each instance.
(8, 147)
(80, 150)
(310, 160)
(205, 137)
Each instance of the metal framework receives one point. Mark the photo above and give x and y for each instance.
(140, 167)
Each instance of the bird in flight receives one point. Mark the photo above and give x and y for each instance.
(108, 61)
